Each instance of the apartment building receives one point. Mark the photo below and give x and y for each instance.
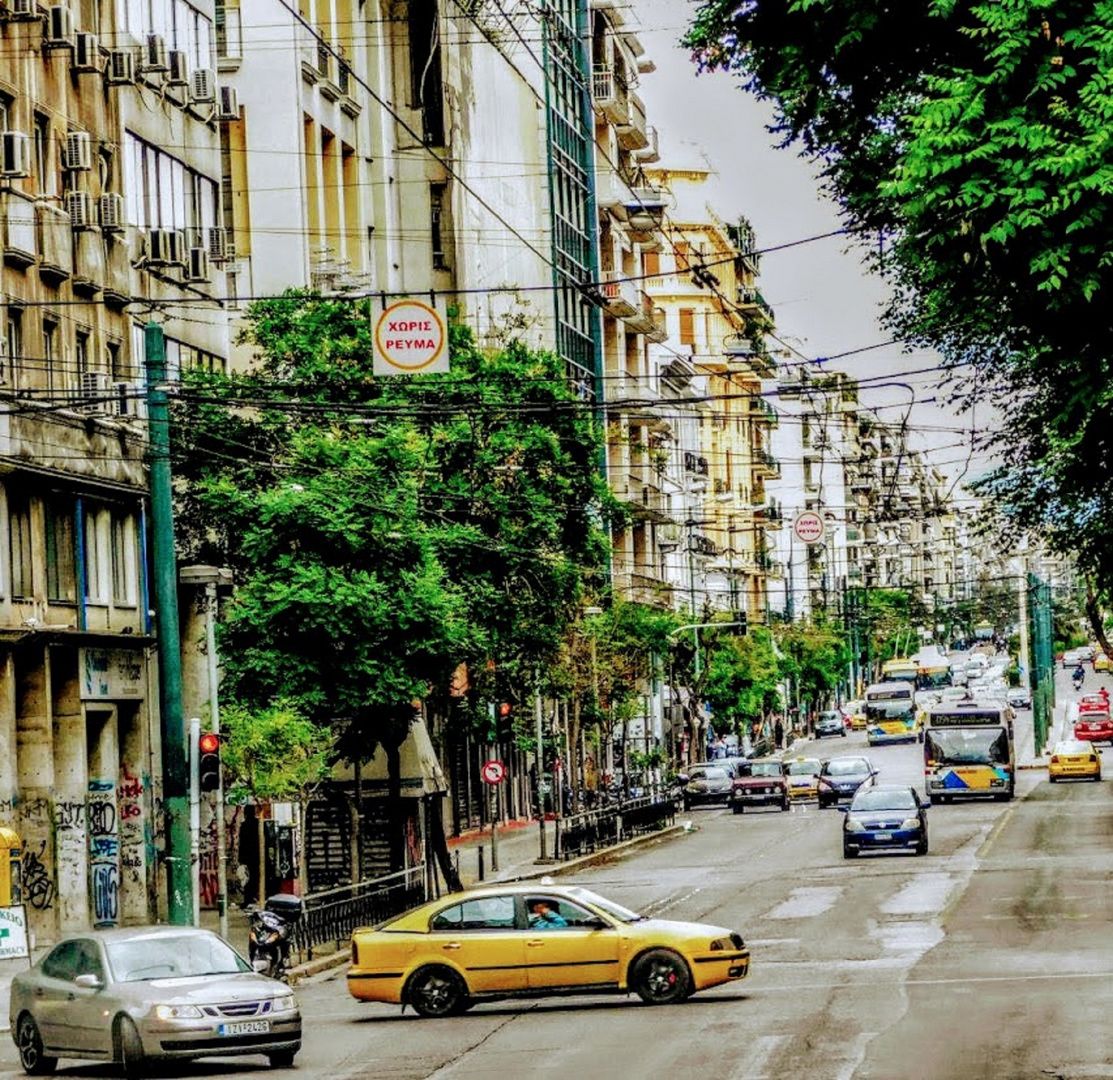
(704, 280)
(110, 161)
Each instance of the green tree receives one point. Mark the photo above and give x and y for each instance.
(968, 143)
(742, 677)
(273, 753)
(815, 658)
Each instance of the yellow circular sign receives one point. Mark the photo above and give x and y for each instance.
(410, 335)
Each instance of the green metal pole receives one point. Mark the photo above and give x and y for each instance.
(175, 770)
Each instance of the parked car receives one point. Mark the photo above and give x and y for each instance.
(142, 992)
(1074, 759)
(446, 955)
(841, 777)
(709, 783)
(1019, 698)
(885, 818)
(830, 723)
(761, 782)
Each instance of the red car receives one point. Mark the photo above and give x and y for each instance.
(1093, 726)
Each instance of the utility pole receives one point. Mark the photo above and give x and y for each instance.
(544, 855)
(175, 772)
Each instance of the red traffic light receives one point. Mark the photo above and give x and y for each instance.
(210, 743)
(504, 709)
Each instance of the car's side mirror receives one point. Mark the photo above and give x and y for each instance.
(843, 809)
(926, 804)
(595, 924)
(88, 981)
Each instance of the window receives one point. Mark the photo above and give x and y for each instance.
(687, 326)
(97, 557)
(14, 338)
(61, 582)
(64, 961)
(81, 357)
(114, 363)
(651, 263)
(183, 26)
(50, 359)
(19, 544)
(46, 172)
(436, 222)
(162, 193)
(552, 913)
(229, 40)
(488, 913)
(683, 253)
(124, 562)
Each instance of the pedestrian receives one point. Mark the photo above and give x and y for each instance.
(779, 733)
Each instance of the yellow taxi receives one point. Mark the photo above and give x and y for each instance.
(531, 940)
(1102, 662)
(1072, 759)
(802, 774)
(857, 712)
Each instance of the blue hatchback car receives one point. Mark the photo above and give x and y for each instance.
(885, 819)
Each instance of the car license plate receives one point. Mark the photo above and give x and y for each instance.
(883, 836)
(245, 1027)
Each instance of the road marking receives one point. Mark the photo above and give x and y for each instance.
(806, 903)
(752, 1065)
(925, 894)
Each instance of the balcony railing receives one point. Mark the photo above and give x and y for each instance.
(620, 296)
(648, 319)
(610, 94)
(632, 133)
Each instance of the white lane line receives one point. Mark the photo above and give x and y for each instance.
(806, 903)
(757, 1055)
(925, 894)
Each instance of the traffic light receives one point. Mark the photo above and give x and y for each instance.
(208, 752)
(505, 712)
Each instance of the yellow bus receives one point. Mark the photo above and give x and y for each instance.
(891, 714)
(899, 669)
(968, 751)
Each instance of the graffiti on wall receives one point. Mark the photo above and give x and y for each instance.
(209, 881)
(132, 829)
(38, 884)
(104, 852)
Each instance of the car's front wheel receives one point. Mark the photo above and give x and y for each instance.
(660, 977)
(30, 1044)
(129, 1048)
(436, 991)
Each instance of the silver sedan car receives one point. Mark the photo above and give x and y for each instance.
(127, 995)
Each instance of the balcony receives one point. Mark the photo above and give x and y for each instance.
(636, 399)
(55, 242)
(769, 517)
(610, 95)
(765, 411)
(648, 319)
(650, 153)
(632, 134)
(620, 297)
(765, 464)
(611, 193)
(643, 589)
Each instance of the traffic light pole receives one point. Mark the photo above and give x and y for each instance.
(175, 771)
(221, 838)
(195, 815)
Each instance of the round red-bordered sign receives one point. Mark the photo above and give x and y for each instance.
(808, 527)
(410, 336)
(493, 772)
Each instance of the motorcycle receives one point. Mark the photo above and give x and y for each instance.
(1078, 680)
(271, 934)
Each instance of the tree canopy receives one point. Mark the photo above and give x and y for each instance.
(970, 144)
(384, 531)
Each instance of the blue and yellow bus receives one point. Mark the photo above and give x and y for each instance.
(891, 714)
(968, 751)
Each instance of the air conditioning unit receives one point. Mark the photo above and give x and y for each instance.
(197, 265)
(229, 104)
(82, 209)
(220, 248)
(121, 67)
(154, 54)
(78, 154)
(86, 52)
(59, 27)
(177, 68)
(15, 154)
(111, 208)
(21, 10)
(203, 85)
(164, 247)
(94, 392)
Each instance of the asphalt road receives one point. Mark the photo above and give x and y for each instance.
(990, 956)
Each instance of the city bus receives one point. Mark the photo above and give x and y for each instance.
(891, 714)
(968, 751)
(899, 669)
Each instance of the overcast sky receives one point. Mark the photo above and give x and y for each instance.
(824, 302)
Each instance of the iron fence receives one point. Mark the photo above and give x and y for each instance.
(332, 915)
(591, 830)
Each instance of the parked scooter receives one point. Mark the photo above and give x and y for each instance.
(271, 934)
